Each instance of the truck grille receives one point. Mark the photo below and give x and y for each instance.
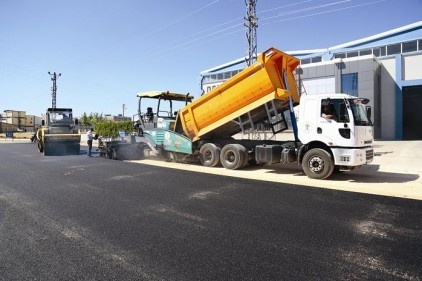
(369, 155)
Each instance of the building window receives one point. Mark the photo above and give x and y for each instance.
(420, 45)
(317, 59)
(340, 56)
(379, 52)
(394, 49)
(383, 51)
(409, 47)
(365, 52)
(349, 84)
(352, 54)
(305, 61)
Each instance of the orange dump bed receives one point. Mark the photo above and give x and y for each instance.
(217, 113)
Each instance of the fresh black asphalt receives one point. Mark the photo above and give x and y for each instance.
(81, 218)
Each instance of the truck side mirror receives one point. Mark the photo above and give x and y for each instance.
(42, 122)
(76, 121)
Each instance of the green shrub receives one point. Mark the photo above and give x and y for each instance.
(111, 129)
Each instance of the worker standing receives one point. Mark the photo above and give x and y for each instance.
(89, 137)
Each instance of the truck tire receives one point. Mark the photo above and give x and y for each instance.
(232, 156)
(245, 154)
(209, 155)
(317, 164)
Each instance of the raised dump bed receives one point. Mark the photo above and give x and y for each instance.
(258, 93)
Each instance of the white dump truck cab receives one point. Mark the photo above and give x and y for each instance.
(335, 126)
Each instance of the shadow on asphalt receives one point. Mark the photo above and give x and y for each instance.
(365, 174)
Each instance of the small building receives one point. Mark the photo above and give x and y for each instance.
(15, 120)
(384, 68)
(116, 118)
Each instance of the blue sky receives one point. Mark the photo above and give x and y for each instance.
(107, 51)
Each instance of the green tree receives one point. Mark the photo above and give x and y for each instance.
(85, 120)
(92, 119)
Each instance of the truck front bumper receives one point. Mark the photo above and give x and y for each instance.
(353, 156)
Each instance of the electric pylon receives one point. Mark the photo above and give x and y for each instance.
(251, 22)
(54, 88)
(124, 108)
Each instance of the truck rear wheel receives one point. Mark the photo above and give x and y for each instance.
(209, 155)
(233, 156)
(245, 155)
(317, 164)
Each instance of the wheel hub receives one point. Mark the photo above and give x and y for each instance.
(316, 164)
(207, 155)
(230, 157)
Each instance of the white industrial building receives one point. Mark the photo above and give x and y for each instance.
(386, 68)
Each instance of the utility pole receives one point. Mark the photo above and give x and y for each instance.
(124, 108)
(251, 22)
(54, 88)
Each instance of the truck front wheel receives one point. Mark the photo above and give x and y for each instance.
(317, 164)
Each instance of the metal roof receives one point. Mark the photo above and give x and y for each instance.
(166, 95)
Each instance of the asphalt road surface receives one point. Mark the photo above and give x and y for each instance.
(81, 218)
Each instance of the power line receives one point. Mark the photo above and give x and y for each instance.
(307, 9)
(165, 26)
(183, 39)
(285, 6)
(323, 12)
(193, 42)
(224, 32)
(179, 19)
(163, 50)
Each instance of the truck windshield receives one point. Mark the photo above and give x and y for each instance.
(359, 113)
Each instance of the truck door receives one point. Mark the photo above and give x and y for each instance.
(333, 123)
